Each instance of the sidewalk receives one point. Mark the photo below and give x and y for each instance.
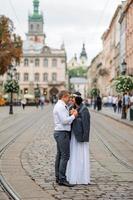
(116, 116)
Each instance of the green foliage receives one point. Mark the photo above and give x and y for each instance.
(10, 44)
(11, 86)
(95, 92)
(123, 84)
(78, 72)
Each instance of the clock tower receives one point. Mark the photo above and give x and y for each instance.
(35, 25)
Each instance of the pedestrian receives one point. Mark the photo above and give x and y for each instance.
(114, 103)
(110, 98)
(119, 104)
(23, 103)
(125, 105)
(62, 122)
(42, 101)
(78, 169)
(99, 103)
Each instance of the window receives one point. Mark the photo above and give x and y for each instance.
(26, 62)
(25, 90)
(45, 77)
(54, 76)
(26, 76)
(31, 26)
(38, 26)
(54, 62)
(45, 62)
(36, 77)
(17, 76)
(37, 62)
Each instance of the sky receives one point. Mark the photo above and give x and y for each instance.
(73, 22)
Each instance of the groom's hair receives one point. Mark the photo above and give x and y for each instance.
(63, 93)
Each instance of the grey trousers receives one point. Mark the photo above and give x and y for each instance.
(63, 153)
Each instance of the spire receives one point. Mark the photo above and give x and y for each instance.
(75, 57)
(83, 53)
(63, 46)
(36, 6)
(36, 15)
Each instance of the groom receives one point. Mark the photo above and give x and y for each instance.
(62, 122)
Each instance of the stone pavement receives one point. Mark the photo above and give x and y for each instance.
(3, 196)
(38, 161)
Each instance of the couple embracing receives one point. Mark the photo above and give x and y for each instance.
(72, 128)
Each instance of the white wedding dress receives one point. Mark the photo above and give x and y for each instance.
(78, 167)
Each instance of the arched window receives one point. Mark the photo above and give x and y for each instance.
(37, 62)
(26, 77)
(37, 76)
(26, 62)
(45, 62)
(54, 77)
(54, 62)
(45, 77)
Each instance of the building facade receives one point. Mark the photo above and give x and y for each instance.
(111, 46)
(41, 66)
(129, 37)
(97, 75)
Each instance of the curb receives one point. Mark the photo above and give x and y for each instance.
(119, 120)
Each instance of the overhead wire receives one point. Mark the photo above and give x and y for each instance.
(100, 18)
(15, 14)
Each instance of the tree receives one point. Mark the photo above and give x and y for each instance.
(123, 84)
(78, 72)
(10, 44)
(95, 92)
(11, 86)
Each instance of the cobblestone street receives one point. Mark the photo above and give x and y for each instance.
(110, 178)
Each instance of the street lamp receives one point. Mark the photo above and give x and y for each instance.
(124, 67)
(12, 75)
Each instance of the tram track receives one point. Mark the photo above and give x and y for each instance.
(111, 148)
(4, 184)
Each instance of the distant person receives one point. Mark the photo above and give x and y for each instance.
(99, 103)
(42, 101)
(114, 103)
(23, 103)
(119, 105)
(110, 98)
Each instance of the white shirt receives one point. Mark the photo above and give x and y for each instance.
(114, 100)
(62, 120)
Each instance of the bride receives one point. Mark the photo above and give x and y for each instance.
(78, 168)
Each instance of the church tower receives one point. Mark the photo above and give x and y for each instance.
(83, 55)
(35, 25)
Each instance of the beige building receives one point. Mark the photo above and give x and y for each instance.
(111, 46)
(97, 75)
(41, 66)
(104, 68)
(129, 37)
